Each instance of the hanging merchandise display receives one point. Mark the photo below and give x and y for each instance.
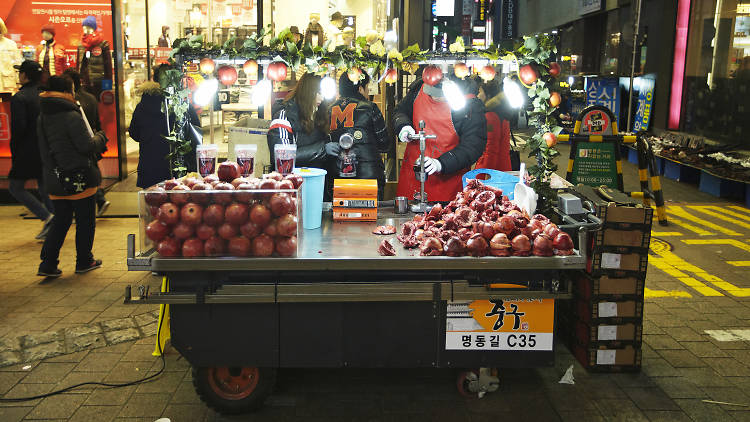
(10, 56)
(50, 53)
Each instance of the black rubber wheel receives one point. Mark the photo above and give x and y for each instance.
(234, 390)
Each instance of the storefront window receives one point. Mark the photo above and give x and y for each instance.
(717, 71)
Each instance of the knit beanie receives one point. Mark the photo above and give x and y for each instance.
(89, 21)
(49, 28)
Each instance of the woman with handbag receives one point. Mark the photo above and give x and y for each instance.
(69, 151)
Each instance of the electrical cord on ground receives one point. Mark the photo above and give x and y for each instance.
(104, 384)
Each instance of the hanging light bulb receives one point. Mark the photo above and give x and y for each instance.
(261, 92)
(205, 92)
(390, 40)
(513, 92)
(453, 95)
(328, 88)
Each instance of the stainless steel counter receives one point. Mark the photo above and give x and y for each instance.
(350, 246)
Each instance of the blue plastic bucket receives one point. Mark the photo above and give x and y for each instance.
(498, 179)
(312, 196)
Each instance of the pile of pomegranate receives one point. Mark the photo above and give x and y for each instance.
(224, 214)
(480, 221)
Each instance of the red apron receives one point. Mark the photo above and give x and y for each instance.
(497, 153)
(437, 117)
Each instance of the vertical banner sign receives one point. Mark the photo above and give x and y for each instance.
(509, 20)
(595, 163)
(482, 10)
(494, 325)
(604, 92)
(645, 100)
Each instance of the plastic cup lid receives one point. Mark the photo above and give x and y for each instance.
(309, 171)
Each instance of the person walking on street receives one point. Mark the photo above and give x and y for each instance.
(91, 108)
(24, 148)
(69, 152)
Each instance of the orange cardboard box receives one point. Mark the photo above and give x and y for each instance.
(355, 214)
(355, 188)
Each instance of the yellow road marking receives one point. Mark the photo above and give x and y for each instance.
(665, 234)
(707, 211)
(680, 264)
(669, 268)
(738, 208)
(739, 263)
(678, 211)
(665, 293)
(733, 242)
(727, 212)
(697, 230)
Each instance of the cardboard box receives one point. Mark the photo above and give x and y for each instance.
(626, 213)
(627, 238)
(355, 214)
(355, 188)
(609, 309)
(355, 202)
(620, 264)
(604, 359)
(588, 287)
(590, 334)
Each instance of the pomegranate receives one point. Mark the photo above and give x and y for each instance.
(213, 215)
(391, 76)
(286, 226)
(260, 215)
(276, 71)
(554, 69)
(168, 247)
(500, 245)
(227, 231)
(237, 214)
(296, 179)
(477, 245)
(274, 175)
(281, 204)
(431, 246)
(169, 213)
(250, 230)
(238, 181)
(285, 184)
(170, 184)
(506, 225)
(215, 246)
(563, 244)
(271, 229)
(527, 74)
(227, 75)
(183, 231)
(192, 247)
(242, 195)
(223, 198)
(455, 247)
(250, 67)
(263, 245)
(211, 178)
(239, 246)
(228, 171)
(432, 75)
(207, 65)
(286, 246)
(461, 70)
(191, 214)
(155, 196)
(551, 230)
(179, 195)
(157, 230)
(543, 245)
(204, 231)
(521, 245)
(200, 198)
(386, 248)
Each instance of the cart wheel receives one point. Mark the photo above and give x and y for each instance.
(462, 383)
(233, 390)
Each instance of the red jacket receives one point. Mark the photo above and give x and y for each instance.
(497, 153)
(57, 62)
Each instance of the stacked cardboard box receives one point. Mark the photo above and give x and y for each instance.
(604, 322)
(355, 200)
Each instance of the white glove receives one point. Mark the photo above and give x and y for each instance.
(432, 165)
(405, 132)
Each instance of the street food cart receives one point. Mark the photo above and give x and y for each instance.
(338, 303)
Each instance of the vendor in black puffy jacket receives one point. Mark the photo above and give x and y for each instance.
(354, 114)
(65, 143)
(299, 119)
(461, 139)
